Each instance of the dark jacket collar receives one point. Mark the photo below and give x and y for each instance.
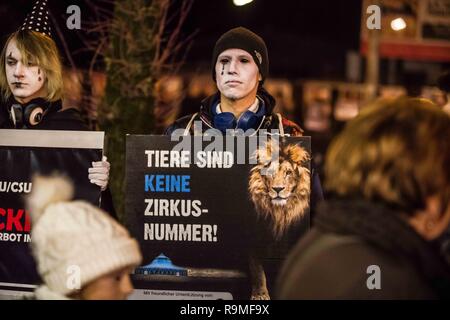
(49, 107)
(266, 98)
(381, 226)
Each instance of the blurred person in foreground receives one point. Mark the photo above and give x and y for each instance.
(388, 180)
(81, 252)
(444, 86)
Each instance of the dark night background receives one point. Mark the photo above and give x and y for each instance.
(305, 39)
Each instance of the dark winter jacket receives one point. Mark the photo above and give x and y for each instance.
(54, 119)
(271, 121)
(57, 119)
(333, 261)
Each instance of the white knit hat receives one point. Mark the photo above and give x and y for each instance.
(66, 234)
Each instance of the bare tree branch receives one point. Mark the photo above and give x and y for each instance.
(63, 41)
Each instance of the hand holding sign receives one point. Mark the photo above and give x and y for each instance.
(99, 173)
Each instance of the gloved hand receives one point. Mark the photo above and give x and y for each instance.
(99, 173)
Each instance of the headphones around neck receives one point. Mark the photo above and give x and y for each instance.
(247, 120)
(26, 116)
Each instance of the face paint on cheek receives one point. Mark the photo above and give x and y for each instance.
(223, 68)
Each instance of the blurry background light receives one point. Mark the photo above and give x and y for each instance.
(398, 24)
(241, 2)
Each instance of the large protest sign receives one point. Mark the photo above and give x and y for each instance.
(207, 214)
(24, 153)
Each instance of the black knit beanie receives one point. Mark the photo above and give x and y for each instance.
(242, 38)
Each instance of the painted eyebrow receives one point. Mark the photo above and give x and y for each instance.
(11, 57)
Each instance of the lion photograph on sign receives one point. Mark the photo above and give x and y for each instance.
(279, 187)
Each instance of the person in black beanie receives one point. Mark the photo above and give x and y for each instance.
(240, 65)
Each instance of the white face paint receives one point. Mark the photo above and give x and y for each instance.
(237, 74)
(25, 81)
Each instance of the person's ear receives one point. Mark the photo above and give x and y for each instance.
(431, 222)
(259, 77)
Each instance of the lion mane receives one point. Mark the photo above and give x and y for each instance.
(279, 187)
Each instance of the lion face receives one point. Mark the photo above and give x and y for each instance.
(280, 187)
(281, 180)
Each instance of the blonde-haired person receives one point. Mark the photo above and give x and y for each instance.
(80, 251)
(35, 50)
(31, 86)
(31, 89)
(388, 180)
(31, 72)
